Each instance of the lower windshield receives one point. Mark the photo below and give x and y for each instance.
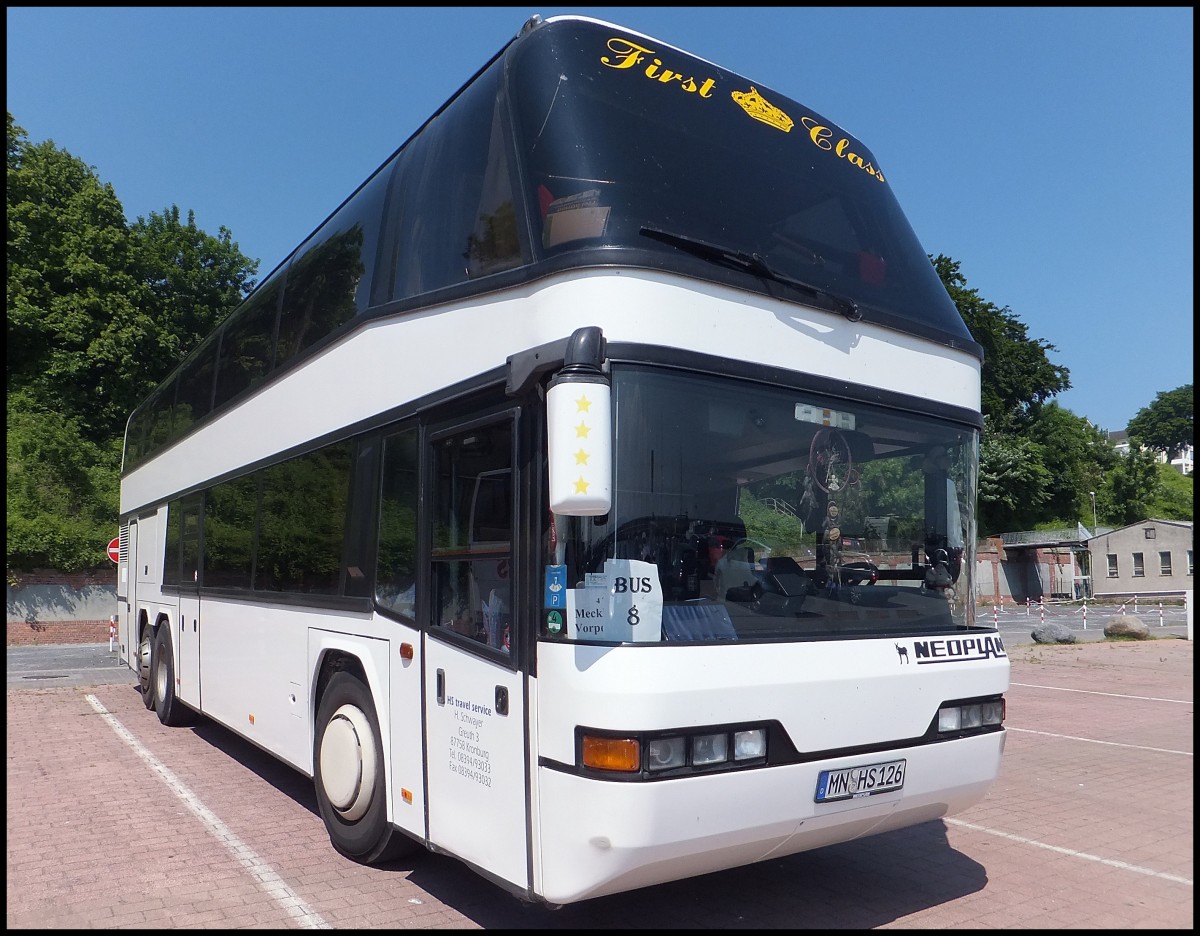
(744, 512)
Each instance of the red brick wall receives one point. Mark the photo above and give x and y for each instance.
(42, 633)
(104, 575)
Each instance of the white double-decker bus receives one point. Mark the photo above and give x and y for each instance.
(591, 496)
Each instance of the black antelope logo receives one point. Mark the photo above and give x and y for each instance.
(903, 651)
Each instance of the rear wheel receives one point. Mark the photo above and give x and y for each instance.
(171, 711)
(145, 655)
(348, 774)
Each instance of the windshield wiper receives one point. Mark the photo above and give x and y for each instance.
(750, 263)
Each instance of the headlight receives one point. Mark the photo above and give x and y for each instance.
(748, 745)
(665, 753)
(970, 715)
(710, 749)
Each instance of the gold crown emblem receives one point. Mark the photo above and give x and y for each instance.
(760, 108)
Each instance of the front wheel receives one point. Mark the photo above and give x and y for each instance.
(348, 774)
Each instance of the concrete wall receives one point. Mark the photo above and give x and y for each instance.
(1149, 537)
(47, 607)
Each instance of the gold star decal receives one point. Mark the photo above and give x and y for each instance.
(584, 404)
(581, 457)
(582, 430)
(581, 486)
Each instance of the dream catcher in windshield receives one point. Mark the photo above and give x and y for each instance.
(831, 468)
(829, 461)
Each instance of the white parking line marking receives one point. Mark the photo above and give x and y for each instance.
(268, 880)
(1123, 865)
(1067, 737)
(1115, 695)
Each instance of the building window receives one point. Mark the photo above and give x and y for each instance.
(1112, 565)
(1139, 565)
(1164, 563)
(1189, 562)
(1150, 533)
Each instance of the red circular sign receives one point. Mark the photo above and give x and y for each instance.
(114, 549)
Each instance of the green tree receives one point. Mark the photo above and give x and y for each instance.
(99, 311)
(1017, 377)
(61, 491)
(1166, 424)
(1173, 495)
(1025, 477)
(1134, 487)
(1014, 482)
(1077, 456)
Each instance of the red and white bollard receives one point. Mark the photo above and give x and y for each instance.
(112, 632)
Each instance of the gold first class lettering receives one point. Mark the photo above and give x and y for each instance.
(821, 136)
(628, 55)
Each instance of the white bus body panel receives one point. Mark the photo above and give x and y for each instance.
(602, 838)
(386, 363)
(599, 837)
(258, 666)
(476, 762)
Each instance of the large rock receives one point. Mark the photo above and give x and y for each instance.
(1126, 625)
(1050, 632)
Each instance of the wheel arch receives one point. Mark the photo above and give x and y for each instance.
(364, 658)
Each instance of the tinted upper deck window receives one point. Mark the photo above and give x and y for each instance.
(618, 132)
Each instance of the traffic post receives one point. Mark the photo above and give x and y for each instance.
(114, 550)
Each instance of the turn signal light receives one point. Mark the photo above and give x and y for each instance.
(612, 753)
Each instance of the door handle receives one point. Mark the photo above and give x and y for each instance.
(441, 687)
(502, 700)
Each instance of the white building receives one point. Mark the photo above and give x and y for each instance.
(1183, 463)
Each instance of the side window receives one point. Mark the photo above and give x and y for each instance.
(1112, 565)
(471, 541)
(230, 511)
(328, 282)
(302, 527)
(171, 559)
(247, 345)
(454, 216)
(193, 400)
(396, 562)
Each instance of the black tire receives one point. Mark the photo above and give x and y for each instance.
(146, 666)
(348, 774)
(171, 712)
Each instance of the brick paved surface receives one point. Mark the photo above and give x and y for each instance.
(1090, 826)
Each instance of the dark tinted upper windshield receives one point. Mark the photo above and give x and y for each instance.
(618, 133)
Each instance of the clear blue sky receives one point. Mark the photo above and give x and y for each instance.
(1049, 151)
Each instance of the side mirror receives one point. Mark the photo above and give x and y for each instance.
(579, 430)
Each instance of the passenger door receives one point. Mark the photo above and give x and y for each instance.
(187, 630)
(475, 737)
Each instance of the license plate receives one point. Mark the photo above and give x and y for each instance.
(866, 780)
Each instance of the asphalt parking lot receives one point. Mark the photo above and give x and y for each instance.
(115, 821)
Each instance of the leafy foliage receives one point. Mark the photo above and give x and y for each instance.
(1018, 377)
(1166, 424)
(1172, 498)
(99, 311)
(1014, 482)
(1133, 487)
(1039, 463)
